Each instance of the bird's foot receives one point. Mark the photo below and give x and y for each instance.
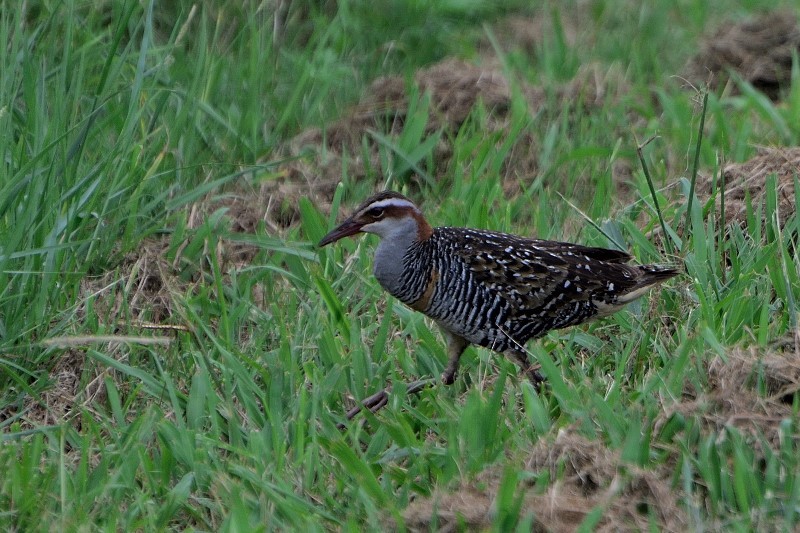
(535, 377)
(531, 371)
(379, 400)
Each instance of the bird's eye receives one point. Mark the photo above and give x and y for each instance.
(375, 212)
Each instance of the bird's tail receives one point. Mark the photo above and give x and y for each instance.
(650, 275)
(653, 274)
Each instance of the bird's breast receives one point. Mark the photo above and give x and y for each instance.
(423, 303)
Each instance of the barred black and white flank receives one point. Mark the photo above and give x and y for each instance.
(492, 289)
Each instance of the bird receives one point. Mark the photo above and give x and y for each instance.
(492, 289)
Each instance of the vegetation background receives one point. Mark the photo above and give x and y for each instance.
(176, 354)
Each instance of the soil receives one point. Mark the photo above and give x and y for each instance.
(746, 182)
(69, 394)
(454, 86)
(527, 34)
(591, 477)
(138, 296)
(750, 390)
(758, 50)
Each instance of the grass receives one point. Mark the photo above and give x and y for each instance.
(124, 121)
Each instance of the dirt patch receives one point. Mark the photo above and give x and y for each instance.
(528, 34)
(139, 298)
(141, 288)
(747, 181)
(467, 508)
(775, 370)
(144, 292)
(595, 476)
(751, 390)
(591, 476)
(135, 298)
(354, 145)
(759, 50)
(455, 87)
(70, 394)
(596, 85)
(132, 299)
(275, 204)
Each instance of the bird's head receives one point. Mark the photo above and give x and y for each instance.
(385, 214)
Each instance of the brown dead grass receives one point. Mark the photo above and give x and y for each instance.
(749, 180)
(593, 86)
(141, 289)
(527, 34)
(588, 475)
(139, 297)
(733, 399)
(758, 49)
(346, 145)
(75, 387)
(455, 87)
(134, 299)
(593, 476)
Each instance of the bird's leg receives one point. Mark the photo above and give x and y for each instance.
(455, 347)
(380, 399)
(531, 371)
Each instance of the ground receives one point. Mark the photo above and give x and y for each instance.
(208, 351)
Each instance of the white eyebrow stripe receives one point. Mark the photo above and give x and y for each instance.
(392, 202)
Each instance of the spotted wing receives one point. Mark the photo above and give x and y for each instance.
(546, 284)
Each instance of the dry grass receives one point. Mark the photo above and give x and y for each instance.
(759, 50)
(746, 182)
(733, 398)
(592, 476)
(588, 475)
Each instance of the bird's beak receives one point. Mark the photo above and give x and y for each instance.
(346, 228)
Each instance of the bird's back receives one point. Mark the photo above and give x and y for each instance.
(497, 290)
